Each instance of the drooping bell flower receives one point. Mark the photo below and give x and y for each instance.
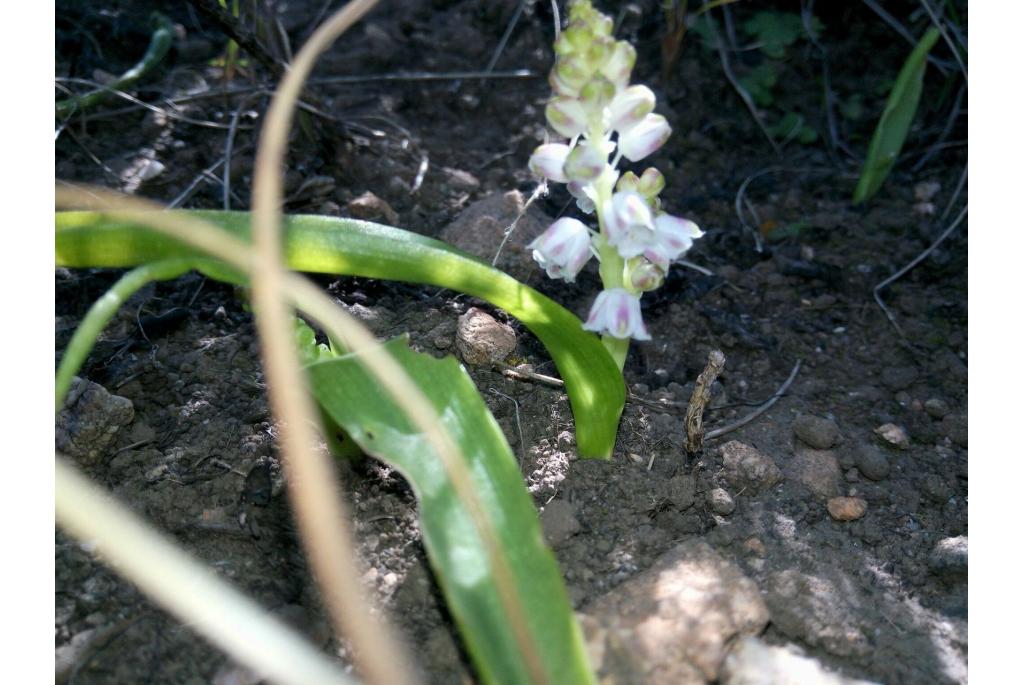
(563, 249)
(616, 312)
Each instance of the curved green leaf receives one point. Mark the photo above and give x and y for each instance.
(359, 248)
(354, 399)
(892, 128)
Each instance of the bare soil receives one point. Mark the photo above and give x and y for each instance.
(872, 598)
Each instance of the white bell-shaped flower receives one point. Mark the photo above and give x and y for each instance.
(628, 223)
(563, 249)
(629, 107)
(548, 161)
(643, 139)
(616, 312)
(673, 236)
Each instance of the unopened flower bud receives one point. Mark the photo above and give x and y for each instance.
(630, 107)
(616, 312)
(597, 94)
(619, 64)
(644, 138)
(652, 182)
(563, 249)
(570, 74)
(645, 276)
(567, 116)
(585, 162)
(548, 161)
(628, 182)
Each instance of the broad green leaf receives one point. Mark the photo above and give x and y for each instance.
(354, 399)
(891, 132)
(360, 248)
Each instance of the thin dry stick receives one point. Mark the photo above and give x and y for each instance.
(286, 380)
(206, 603)
(320, 513)
(699, 400)
(914, 262)
(719, 432)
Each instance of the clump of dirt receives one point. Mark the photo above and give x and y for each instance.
(881, 596)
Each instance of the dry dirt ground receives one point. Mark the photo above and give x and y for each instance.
(881, 598)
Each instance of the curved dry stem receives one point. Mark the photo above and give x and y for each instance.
(339, 324)
(315, 503)
(210, 606)
(285, 380)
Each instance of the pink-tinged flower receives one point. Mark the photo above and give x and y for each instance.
(585, 162)
(616, 312)
(628, 223)
(645, 276)
(548, 161)
(563, 249)
(567, 116)
(647, 136)
(584, 195)
(630, 107)
(673, 236)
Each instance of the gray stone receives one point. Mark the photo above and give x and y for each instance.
(721, 502)
(752, 661)
(559, 522)
(748, 468)
(480, 228)
(955, 428)
(90, 421)
(819, 470)
(893, 435)
(936, 408)
(482, 339)
(872, 462)
(949, 557)
(812, 608)
(815, 431)
(673, 623)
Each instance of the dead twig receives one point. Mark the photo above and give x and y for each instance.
(699, 400)
(914, 262)
(719, 432)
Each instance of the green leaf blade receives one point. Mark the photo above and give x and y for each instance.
(894, 125)
(355, 400)
(359, 248)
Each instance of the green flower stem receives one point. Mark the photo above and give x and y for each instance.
(103, 310)
(613, 266)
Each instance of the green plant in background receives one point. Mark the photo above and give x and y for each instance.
(892, 129)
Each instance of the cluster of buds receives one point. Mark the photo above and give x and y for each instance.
(604, 120)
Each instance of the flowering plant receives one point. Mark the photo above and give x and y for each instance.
(606, 119)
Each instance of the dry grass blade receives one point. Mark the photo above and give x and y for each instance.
(286, 383)
(210, 606)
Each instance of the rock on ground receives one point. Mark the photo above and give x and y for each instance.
(811, 608)
(482, 339)
(819, 470)
(752, 661)
(671, 624)
(480, 228)
(747, 467)
(815, 431)
(559, 522)
(949, 557)
(90, 420)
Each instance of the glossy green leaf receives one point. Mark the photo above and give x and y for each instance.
(892, 129)
(360, 248)
(354, 399)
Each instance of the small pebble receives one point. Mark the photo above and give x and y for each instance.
(815, 431)
(482, 339)
(872, 462)
(755, 547)
(371, 208)
(559, 522)
(949, 557)
(721, 502)
(893, 435)
(936, 408)
(847, 508)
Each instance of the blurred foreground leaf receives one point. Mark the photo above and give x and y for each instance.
(354, 399)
